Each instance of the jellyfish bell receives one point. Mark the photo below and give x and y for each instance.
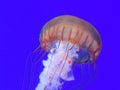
(71, 29)
(68, 40)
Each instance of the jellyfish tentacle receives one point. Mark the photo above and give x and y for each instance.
(71, 47)
(52, 57)
(65, 59)
(94, 66)
(57, 68)
(32, 67)
(39, 58)
(29, 60)
(63, 64)
(36, 49)
(50, 79)
(88, 68)
(45, 88)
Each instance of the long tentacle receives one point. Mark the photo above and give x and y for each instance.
(51, 59)
(55, 69)
(32, 68)
(65, 59)
(24, 86)
(32, 57)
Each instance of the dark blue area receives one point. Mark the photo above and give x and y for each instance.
(20, 25)
(83, 56)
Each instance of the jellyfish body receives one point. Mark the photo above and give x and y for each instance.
(72, 35)
(68, 40)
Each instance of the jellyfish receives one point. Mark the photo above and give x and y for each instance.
(68, 40)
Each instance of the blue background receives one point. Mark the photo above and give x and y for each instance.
(20, 24)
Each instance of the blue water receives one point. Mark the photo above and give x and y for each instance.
(20, 25)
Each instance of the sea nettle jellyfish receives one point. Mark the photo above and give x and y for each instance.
(68, 40)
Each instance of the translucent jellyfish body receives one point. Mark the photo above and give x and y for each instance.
(68, 40)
